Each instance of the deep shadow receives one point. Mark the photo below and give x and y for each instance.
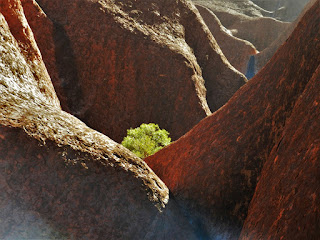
(67, 70)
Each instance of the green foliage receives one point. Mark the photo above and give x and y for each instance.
(146, 139)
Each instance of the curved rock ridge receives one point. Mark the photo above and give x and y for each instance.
(131, 62)
(284, 10)
(264, 56)
(236, 50)
(19, 27)
(60, 179)
(287, 198)
(239, 7)
(47, 36)
(213, 170)
(254, 26)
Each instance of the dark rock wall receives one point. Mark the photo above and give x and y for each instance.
(60, 179)
(213, 169)
(287, 198)
(142, 62)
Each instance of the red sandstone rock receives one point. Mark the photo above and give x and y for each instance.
(287, 198)
(139, 61)
(60, 179)
(212, 170)
(236, 50)
(20, 29)
(47, 38)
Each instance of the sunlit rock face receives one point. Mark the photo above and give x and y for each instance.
(131, 62)
(246, 21)
(264, 56)
(46, 35)
(20, 29)
(284, 10)
(60, 179)
(286, 201)
(236, 50)
(287, 198)
(213, 170)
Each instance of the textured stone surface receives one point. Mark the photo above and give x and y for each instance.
(48, 39)
(264, 56)
(285, 10)
(212, 170)
(139, 61)
(246, 21)
(60, 179)
(20, 29)
(236, 50)
(287, 199)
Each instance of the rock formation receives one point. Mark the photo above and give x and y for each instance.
(288, 190)
(264, 56)
(287, 199)
(19, 27)
(213, 170)
(236, 50)
(51, 44)
(60, 179)
(285, 10)
(246, 21)
(123, 63)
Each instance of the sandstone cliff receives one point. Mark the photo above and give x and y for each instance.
(122, 63)
(236, 50)
(19, 27)
(213, 170)
(246, 21)
(287, 199)
(263, 57)
(60, 179)
(285, 10)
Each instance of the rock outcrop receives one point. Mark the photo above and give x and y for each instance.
(20, 29)
(60, 179)
(246, 21)
(287, 199)
(129, 62)
(263, 57)
(213, 170)
(51, 44)
(284, 10)
(236, 50)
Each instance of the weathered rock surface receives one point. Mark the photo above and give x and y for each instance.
(236, 50)
(20, 29)
(138, 61)
(212, 170)
(287, 199)
(285, 10)
(60, 179)
(51, 43)
(246, 21)
(263, 57)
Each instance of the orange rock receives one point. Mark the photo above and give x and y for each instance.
(287, 198)
(60, 179)
(212, 171)
(264, 56)
(139, 61)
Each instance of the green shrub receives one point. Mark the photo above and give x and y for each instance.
(146, 139)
